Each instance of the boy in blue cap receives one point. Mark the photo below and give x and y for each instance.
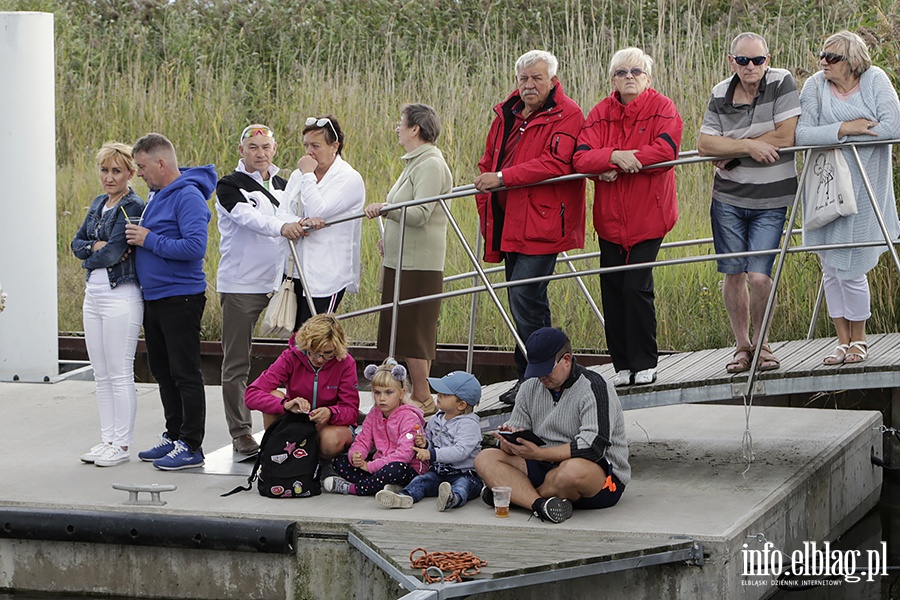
(452, 440)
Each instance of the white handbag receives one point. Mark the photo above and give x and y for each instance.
(827, 189)
(281, 314)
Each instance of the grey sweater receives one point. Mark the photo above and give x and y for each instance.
(455, 442)
(588, 416)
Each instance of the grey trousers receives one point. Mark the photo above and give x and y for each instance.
(239, 315)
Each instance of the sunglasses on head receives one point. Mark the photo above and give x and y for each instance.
(623, 73)
(746, 60)
(321, 123)
(830, 57)
(254, 131)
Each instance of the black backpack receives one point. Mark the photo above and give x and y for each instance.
(288, 461)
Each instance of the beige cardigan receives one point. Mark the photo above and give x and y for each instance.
(425, 174)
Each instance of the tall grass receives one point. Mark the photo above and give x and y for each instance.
(200, 70)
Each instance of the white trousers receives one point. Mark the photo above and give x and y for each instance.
(847, 298)
(112, 324)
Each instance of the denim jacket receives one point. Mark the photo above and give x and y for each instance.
(110, 228)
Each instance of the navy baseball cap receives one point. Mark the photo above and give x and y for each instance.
(542, 346)
(460, 384)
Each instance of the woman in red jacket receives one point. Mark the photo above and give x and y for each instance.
(634, 206)
(320, 378)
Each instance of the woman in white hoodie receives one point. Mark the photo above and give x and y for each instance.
(323, 188)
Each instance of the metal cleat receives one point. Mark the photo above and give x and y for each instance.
(154, 489)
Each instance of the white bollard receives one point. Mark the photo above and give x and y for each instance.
(29, 336)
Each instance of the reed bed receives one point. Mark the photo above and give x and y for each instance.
(199, 71)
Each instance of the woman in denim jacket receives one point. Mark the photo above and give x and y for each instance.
(113, 307)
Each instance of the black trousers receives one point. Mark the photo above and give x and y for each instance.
(628, 305)
(172, 334)
(323, 304)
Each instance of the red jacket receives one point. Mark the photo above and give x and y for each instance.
(636, 206)
(543, 219)
(335, 385)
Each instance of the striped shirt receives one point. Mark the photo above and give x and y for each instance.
(752, 184)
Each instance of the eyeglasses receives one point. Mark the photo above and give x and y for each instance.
(318, 355)
(746, 60)
(623, 73)
(251, 131)
(321, 123)
(831, 58)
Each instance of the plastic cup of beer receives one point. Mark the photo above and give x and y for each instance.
(501, 500)
(135, 220)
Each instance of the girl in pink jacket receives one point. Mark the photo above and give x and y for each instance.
(390, 430)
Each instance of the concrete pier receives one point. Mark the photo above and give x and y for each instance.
(810, 481)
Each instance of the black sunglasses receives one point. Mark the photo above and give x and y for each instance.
(746, 60)
(830, 57)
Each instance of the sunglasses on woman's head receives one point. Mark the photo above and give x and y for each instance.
(746, 60)
(321, 123)
(830, 57)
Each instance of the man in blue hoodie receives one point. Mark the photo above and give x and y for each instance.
(170, 244)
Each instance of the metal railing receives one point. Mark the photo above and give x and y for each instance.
(482, 284)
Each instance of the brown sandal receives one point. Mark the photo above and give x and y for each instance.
(739, 365)
(767, 360)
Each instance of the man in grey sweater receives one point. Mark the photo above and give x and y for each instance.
(584, 460)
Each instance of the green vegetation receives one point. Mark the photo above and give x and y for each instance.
(200, 70)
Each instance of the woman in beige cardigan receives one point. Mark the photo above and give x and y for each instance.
(425, 173)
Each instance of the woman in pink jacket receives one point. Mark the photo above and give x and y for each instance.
(389, 431)
(320, 378)
(634, 207)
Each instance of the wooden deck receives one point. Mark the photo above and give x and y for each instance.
(688, 377)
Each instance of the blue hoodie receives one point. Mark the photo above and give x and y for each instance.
(170, 263)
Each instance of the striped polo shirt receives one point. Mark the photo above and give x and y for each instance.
(752, 184)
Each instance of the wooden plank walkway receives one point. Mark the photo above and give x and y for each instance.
(688, 377)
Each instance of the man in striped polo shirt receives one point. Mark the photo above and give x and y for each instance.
(750, 116)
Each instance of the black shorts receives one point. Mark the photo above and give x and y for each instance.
(606, 497)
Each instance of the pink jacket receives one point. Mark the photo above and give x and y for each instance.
(335, 385)
(393, 438)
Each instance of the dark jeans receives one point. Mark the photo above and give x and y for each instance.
(628, 306)
(529, 304)
(172, 334)
(465, 485)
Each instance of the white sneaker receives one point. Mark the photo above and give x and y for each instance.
(393, 487)
(336, 485)
(392, 500)
(644, 377)
(623, 377)
(94, 453)
(114, 455)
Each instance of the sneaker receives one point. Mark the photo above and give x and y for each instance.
(393, 500)
(446, 498)
(487, 496)
(553, 509)
(245, 444)
(509, 396)
(644, 377)
(94, 453)
(623, 377)
(337, 485)
(326, 469)
(181, 457)
(114, 455)
(162, 447)
(393, 487)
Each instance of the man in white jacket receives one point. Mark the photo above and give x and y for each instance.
(250, 268)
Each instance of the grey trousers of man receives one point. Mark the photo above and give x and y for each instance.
(239, 315)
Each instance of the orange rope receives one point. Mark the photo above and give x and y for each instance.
(459, 564)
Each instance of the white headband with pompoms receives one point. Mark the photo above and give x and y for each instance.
(398, 371)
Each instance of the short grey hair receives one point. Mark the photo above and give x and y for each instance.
(426, 118)
(534, 56)
(631, 56)
(153, 143)
(854, 50)
(748, 35)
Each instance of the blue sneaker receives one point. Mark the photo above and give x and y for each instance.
(162, 447)
(181, 457)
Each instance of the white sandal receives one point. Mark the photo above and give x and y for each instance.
(862, 351)
(835, 358)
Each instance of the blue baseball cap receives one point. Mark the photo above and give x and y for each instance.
(542, 347)
(460, 384)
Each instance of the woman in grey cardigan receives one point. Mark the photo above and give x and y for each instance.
(850, 100)
(425, 173)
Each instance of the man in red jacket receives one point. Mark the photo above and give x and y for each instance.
(532, 139)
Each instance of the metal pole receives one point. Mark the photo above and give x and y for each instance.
(306, 294)
(473, 313)
(395, 310)
(878, 215)
(590, 299)
(820, 295)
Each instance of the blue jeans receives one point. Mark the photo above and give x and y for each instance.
(465, 486)
(529, 304)
(744, 230)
